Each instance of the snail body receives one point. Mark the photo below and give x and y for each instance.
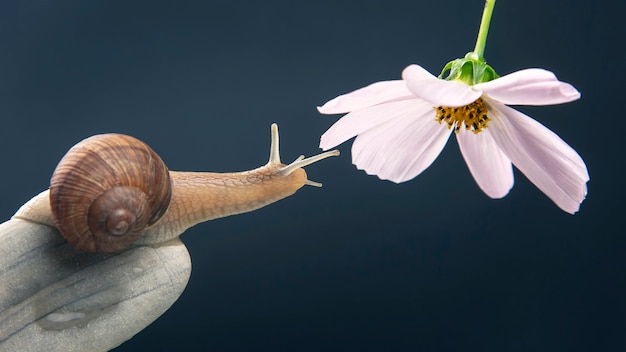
(56, 294)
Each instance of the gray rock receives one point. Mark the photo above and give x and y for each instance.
(54, 297)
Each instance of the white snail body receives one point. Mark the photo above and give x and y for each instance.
(58, 297)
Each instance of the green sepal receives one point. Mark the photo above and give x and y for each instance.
(470, 70)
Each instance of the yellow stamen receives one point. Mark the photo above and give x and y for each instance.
(473, 116)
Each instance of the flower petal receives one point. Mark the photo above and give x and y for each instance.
(416, 73)
(491, 169)
(362, 120)
(438, 92)
(402, 148)
(532, 86)
(375, 93)
(548, 162)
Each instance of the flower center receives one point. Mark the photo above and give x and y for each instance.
(473, 116)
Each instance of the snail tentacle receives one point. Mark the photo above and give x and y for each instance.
(299, 163)
(302, 161)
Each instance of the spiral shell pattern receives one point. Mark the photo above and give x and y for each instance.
(106, 190)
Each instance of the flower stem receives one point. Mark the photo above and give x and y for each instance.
(484, 28)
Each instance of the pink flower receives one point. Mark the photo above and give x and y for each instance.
(401, 127)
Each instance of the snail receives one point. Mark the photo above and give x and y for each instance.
(96, 258)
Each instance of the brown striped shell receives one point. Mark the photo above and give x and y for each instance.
(106, 190)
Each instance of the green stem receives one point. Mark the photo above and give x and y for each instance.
(484, 28)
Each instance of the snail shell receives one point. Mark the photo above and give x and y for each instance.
(106, 190)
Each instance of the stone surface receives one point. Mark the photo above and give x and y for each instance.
(54, 297)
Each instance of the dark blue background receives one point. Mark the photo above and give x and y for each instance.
(361, 264)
